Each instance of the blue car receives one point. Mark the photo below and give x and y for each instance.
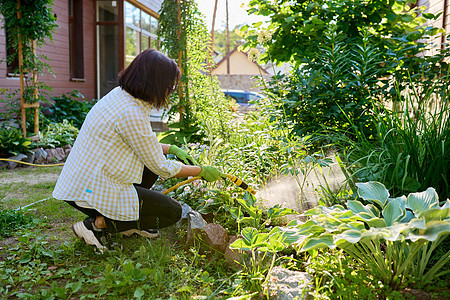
(243, 98)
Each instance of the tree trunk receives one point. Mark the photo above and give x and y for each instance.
(212, 33)
(228, 41)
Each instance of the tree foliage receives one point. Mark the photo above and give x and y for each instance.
(201, 105)
(346, 57)
(300, 26)
(36, 23)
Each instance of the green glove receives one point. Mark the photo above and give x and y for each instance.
(181, 155)
(210, 174)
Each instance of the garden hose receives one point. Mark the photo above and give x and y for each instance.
(233, 179)
(240, 184)
(30, 164)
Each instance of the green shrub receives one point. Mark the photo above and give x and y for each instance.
(70, 107)
(58, 135)
(12, 141)
(394, 237)
(409, 151)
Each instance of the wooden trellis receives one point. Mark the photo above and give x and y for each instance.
(23, 104)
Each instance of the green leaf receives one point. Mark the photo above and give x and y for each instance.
(428, 16)
(376, 222)
(240, 244)
(440, 213)
(391, 17)
(421, 201)
(357, 207)
(185, 288)
(139, 292)
(391, 233)
(276, 211)
(275, 242)
(373, 191)
(350, 236)
(407, 18)
(393, 212)
(251, 239)
(352, 225)
(323, 241)
(249, 234)
(257, 24)
(433, 231)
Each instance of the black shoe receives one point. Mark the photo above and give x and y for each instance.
(90, 234)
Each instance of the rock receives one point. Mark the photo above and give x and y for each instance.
(234, 257)
(284, 284)
(185, 210)
(50, 155)
(40, 156)
(216, 237)
(67, 149)
(60, 154)
(196, 225)
(12, 165)
(30, 157)
(3, 164)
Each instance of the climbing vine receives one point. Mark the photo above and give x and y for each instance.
(28, 24)
(201, 105)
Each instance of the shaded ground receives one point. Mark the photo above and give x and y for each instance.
(29, 185)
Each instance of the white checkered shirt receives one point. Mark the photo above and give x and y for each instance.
(109, 154)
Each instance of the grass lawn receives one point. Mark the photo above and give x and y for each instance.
(44, 260)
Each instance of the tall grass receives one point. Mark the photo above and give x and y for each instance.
(411, 148)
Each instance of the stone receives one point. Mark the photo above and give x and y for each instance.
(67, 149)
(284, 284)
(60, 155)
(216, 237)
(30, 157)
(3, 164)
(20, 157)
(196, 226)
(185, 210)
(234, 257)
(50, 156)
(40, 156)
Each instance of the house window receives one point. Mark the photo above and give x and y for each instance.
(140, 32)
(12, 61)
(76, 40)
(108, 32)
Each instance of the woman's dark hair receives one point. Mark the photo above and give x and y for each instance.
(151, 77)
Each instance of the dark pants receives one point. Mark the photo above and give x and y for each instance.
(156, 210)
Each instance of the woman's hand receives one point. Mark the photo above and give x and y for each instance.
(210, 174)
(183, 156)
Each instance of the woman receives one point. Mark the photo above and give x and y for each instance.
(116, 157)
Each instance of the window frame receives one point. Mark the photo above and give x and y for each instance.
(76, 40)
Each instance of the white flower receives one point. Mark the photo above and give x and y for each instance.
(253, 54)
(264, 36)
(209, 201)
(187, 189)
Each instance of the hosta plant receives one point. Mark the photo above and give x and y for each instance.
(394, 237)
